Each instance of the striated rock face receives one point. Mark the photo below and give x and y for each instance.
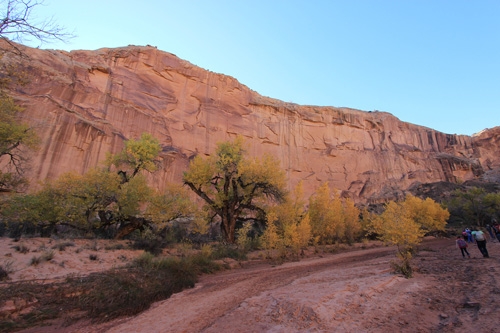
(86, 103)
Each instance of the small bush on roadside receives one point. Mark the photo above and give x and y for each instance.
(4, 274)
(228, 251)
(185, 248)
(35, 260)
(243, 240)
(18, 229)
(46, 256)
(147, 280)
(207, 250)
(204, 264)
(152, 245)
(63, 245)
(403, 266)
(21, 248)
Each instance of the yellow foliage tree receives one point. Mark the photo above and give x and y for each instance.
(427, 213)
(397, 227)
(304, 232)
(233, 186)
(288, 224)
(352, 224)
(270, 239)
(404, 224)
(320, 214)
(332, 218)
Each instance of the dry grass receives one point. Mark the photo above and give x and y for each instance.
(102, 296)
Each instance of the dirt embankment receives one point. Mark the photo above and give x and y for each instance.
(346, 292)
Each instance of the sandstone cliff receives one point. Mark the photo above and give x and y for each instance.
(86, 103)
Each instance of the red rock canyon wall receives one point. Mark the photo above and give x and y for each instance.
(86, 103)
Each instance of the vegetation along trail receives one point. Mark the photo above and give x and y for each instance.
(346, 292)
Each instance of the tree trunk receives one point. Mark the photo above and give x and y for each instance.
(134, 223)
(227, 228)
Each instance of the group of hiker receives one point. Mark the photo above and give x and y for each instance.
(475, 235)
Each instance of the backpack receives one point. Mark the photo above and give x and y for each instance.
(479, 236)
(461, 243)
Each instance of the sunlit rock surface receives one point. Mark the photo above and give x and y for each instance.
(84, 104)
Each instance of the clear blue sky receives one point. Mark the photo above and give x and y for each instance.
(434, 63)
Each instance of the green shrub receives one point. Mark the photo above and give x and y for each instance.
(204, 263)
(152, 245)
(144, 260)
(228, 251)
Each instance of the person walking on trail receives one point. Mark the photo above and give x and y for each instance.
(470, 239)
(496, 230)
(480, 238)
(462, 245)
(490, 232)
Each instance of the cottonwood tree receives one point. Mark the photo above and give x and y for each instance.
(136, 156)
(288, 227)
(405, 223)
(333, 219)
(137, 206)
(72, 200)
(234, 186)
(114, 199)
(474, 206)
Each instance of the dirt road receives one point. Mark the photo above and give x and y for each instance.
(347, 292)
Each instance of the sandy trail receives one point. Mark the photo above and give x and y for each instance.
(346, 292)
(251, 296)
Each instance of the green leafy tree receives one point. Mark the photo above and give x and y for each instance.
(170, 204)
(474, 206)
(16, 140)
(17, 23)
(492, 204)
(136, 156)
(233, 186)
(104, 199)
(40, 209)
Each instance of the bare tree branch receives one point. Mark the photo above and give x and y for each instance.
(18, 23)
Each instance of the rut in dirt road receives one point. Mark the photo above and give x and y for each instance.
(217, 295)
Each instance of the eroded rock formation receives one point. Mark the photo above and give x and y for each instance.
(86, 103)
